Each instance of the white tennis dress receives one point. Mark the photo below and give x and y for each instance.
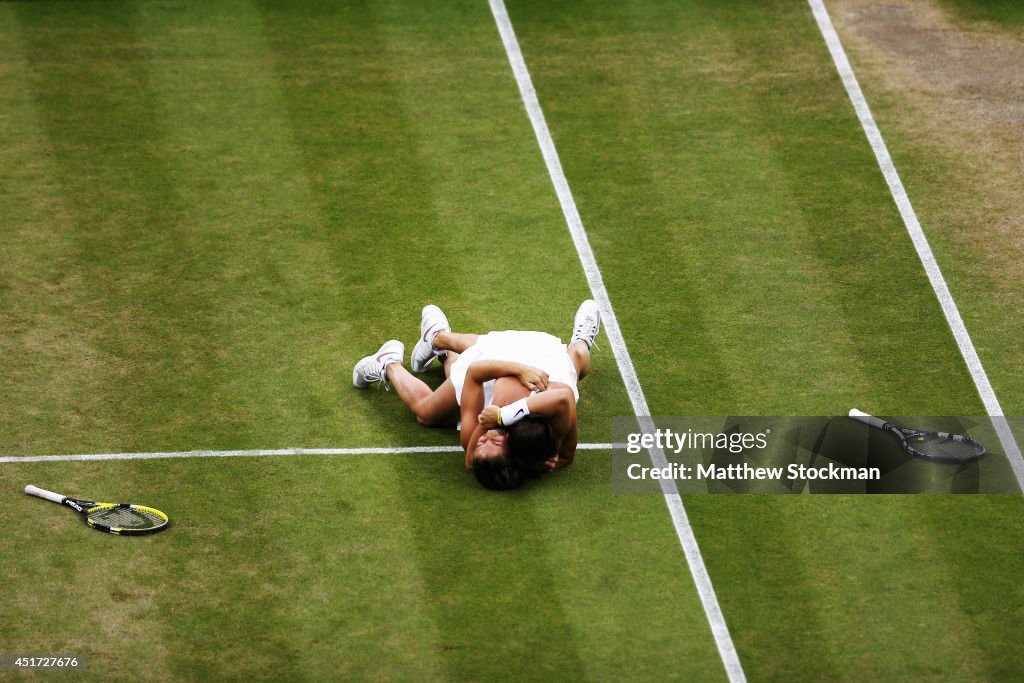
(539, 349)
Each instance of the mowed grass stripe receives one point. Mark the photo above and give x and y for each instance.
(35, 325)
(97, 119)
(759, 154)
(170, 248)
(854, 587)
(35, 306)
(134, 321)
(66, 295)
(279, 285)
(296, 308)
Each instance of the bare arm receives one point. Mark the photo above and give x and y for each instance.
(473, 396)
(560, 409)
(486, 370)
(567, 448)
(472, 404)
(469, 443)
(559, 406)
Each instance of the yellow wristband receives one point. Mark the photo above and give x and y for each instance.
(499, 417)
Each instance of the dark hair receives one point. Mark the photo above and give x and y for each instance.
(497, 472)
(531, 441)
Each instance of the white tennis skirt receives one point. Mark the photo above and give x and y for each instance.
(539, 349)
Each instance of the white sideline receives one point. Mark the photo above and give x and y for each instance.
(716, 619)
(924, 251)
(263, 453)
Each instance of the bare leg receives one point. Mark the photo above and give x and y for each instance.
(454, 341)
(431, 408)
(449, 360)
(579, 353)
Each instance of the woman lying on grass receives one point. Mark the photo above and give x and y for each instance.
(513, 393)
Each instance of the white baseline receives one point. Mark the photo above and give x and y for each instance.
(383, 450)
(924, 250)
(687, 539)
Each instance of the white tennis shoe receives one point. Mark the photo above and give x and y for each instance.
(587, 323)
(432, 321)
(374, 368)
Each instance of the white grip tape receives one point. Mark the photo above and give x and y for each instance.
(870, 419)
(43, 493)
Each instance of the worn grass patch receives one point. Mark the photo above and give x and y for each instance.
(948, 93)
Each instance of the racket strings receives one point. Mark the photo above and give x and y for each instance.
(127, 518)
(945, 448)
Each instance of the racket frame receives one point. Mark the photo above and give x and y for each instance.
(87, 507)
(905, 433)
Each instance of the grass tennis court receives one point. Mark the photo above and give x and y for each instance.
(210, 211)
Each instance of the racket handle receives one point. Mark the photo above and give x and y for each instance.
(43, 493)
(870, 419)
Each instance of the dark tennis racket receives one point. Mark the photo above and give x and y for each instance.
(937, 446)
(124, 519)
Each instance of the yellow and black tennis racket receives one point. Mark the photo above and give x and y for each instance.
(124, 519)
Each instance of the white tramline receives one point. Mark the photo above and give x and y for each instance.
(917, 236)
(706, 591)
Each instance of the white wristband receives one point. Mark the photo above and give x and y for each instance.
(514, 412)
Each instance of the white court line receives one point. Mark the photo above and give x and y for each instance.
(264, 453)
(687, 539)
(924, 251)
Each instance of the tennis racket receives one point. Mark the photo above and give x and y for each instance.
(124, 519)
(937, 446)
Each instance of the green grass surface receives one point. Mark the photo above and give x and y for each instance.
(778, 251)
(315, 568)
(210, 211)
(1005, 14)
(958, 191)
